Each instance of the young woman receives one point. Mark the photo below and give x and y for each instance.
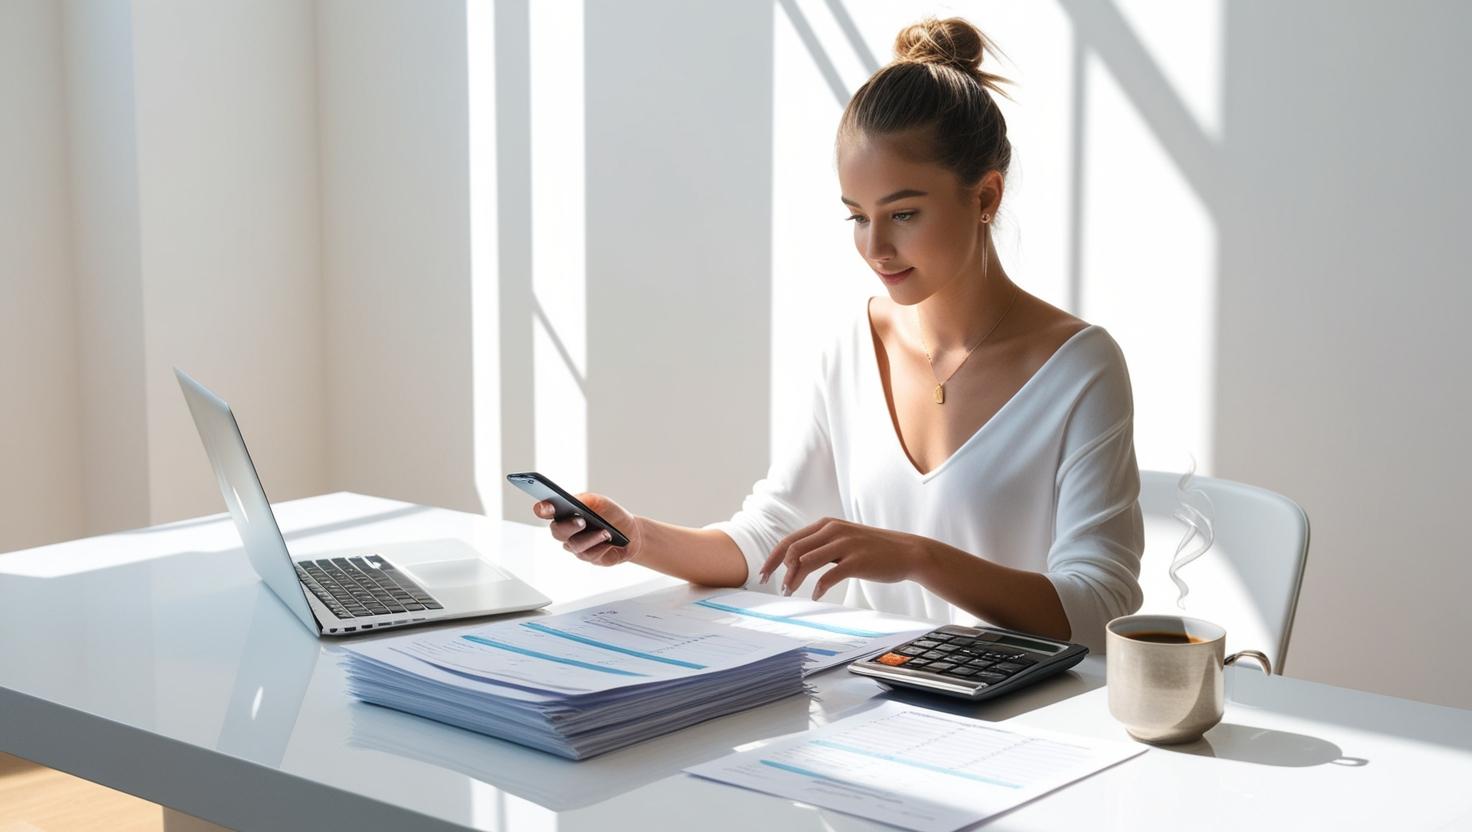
(970, 452)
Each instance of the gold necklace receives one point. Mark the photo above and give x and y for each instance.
(940, 384)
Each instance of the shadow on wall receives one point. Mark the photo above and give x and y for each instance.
(1338, 192)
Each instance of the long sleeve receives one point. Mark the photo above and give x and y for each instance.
(1099, 536)
(800, 487)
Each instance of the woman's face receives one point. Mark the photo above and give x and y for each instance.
(915, 225)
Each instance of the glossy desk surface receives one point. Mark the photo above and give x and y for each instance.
(155, 662)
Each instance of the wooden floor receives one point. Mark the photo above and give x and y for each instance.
(37, 799)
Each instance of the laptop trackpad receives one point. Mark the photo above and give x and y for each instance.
(459, 572)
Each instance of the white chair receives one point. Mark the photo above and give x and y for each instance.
(1248, 581)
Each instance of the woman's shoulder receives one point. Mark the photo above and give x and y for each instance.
(1050, 333)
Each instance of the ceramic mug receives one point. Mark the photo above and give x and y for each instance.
(1164, 674)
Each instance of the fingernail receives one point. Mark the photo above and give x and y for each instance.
(567, 546)
(580, 522)
(607, 536)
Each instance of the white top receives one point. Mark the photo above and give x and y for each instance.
(1048, 485)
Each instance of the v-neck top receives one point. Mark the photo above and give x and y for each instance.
(1049, 484)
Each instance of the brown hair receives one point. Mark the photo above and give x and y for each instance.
(936, 84)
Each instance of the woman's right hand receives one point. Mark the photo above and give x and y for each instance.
(589, 542)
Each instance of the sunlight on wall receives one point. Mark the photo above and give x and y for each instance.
(485, 369)
(818, 280)
(1148, 273)
(559, 283)
(1188, 41)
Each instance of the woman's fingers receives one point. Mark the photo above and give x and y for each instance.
(839, 571)
(799, 568)
(581, 542)
(611, 556)
(603, 554)
(565, 530)
(829, 533)
(780, 552)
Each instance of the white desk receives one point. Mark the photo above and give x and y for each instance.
(156, 663)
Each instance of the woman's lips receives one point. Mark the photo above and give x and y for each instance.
(894, 278)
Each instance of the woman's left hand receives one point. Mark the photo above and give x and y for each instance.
(855, 550)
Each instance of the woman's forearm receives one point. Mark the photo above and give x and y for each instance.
(700, 556)
(1011, 598)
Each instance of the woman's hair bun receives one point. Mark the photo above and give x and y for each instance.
(952, 41)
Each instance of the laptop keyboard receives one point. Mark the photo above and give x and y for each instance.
(362, 586)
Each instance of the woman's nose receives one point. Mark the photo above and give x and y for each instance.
(877, 248)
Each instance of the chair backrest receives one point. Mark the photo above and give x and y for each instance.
(1248, 581)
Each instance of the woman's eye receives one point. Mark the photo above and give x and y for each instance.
(903, 216)
(858, 219)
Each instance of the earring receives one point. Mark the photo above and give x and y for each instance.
(985, 218)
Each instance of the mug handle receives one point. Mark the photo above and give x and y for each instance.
(1267, 666)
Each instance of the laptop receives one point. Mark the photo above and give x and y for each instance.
(351, 591)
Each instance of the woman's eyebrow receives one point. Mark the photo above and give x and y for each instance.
(908, 192)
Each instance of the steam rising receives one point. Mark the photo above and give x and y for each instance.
(1198, 529)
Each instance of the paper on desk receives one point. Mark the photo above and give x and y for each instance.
(832, 634)
(915, 768)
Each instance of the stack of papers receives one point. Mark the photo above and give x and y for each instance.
(582, 683)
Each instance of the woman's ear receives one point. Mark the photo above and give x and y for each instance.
(988, 193)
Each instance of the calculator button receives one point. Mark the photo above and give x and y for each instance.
(910, 651)
(947, 648)
(934, 654)
(963, 641)
(917, 662)
(980, 663)
(989, 677)
(940, 667)
(940, 636)
(1024, 661)
(892, 659)
(963, 671)
(924, 642)
(1007, 667)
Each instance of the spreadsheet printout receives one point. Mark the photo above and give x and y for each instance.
(915, 768)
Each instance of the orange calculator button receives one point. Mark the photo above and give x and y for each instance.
(892, 659)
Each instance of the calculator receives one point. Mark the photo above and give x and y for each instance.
(973, 663)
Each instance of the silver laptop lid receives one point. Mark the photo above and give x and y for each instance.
(245, 498)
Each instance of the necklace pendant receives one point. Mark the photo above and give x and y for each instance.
(940, 394)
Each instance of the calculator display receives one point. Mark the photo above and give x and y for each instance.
(1029, 644)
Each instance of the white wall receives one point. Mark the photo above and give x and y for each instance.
(226, 117)
(679, 201)
(396, 267)
(166, 153)
(97, 40)
(1344, 287)
(41, 486)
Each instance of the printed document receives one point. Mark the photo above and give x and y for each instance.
(832, 634)
(916, 768)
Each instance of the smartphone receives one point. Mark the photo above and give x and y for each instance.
(564, 504)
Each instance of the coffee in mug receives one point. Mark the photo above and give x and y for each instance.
(1164, 674)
